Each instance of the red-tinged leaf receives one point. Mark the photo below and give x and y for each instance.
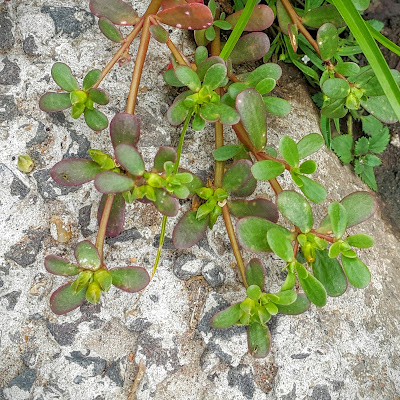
(171, 3)
(112, 182)
(250, 47)
(247, 189)
(60, 266)
(62, 75)
(87, 255)
(117, 11)
(208, 63)
(130, 279)
(192, 16)
(64, 299)
(95, 119)
(178, 112)
(237, 176)
(53, 102)
(124, 128)
(261, 18)
(116, 219)
(74, 172)
(165, 203)
(261, 208)
(301, 305)
(130, 159)
(189, 230)
(164, 154)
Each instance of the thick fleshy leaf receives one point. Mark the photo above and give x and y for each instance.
(215, 76)
(261, 18)
(360, 241)
(213, 112)
(309, 144)
(251, 108)
(62, 75)
(329, 272)
(171, 79)
(280, 244)
(336, 88)
(380, 108)
(285, 297)
(189, 230)
(283, 17)
(301, 305)
(312, 190)
(226, 152)
(265, 86)
(338, 216)
(250, 47)
(116, 220)
(267, 169)
(130, 279)
(191, 16)
(95, 119)
(87, 255)
(288, 149)
(117, 11)
(237, 175)
(312, 287)
(159, 33)
(109, 30)
(277, 106)
(328, 41)
(130, 159)
(99, 96)
(112, 182)
(165, 203)
(53, 102)
(356, 271)
(188, 77)
(227, 317)
(74, 171)
(259, 207)
(164, 154)
(178, 112)
(347, 68)
(246, 190)
(124, 128)
(321, 15)
(296, 209)
(252, 233)
(90, 79)
(195, 184)
(60, 266)
(269, 70)
(206, 64)
(64, 299)
(259, 340)
(335, 109)
(255, 273)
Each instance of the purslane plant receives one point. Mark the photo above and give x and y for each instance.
(321, 259)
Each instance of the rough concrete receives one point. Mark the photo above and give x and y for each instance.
(347, 350)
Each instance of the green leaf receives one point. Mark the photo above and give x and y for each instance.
(225, 25)
(227, 317)
(296, 209)
(251, 108)
(189, 230)
(130, 159)
(394, 48)
(117, 11)
(328, 41)
(269, 70)
(347, 68)
(74, 172)
(247, 189)
(210, 33)
(288, 149)
(95, 119)
(283, 17)
(87, 255)
(165, 203)
(342, 146)
(64, 299)
(188, 77)
(215, 76)
(338, 216)
(265, 86)
(164, 154)
(312, 190)
(60, 266)
(335, 109)
(356, 271)
(213, 112)
(255, 273)
(360, 241)
(110, 31)
(280, 245)
(277, 106)
(99, 96)
(206, 64)
(261, 18)
(361, 146)
(226, 152)
(103, 278)
(336, 88)
(124, 128)
(267, 169)
(259, 340)
(159, 33)
(285, 297)
(301, 305)
(237, 175)
(312, 287)
(90, 79)
(325, 126)
(308, 167)
(171, 79)
(113, 182)
(262, 208)
(253, 292)
(62, 75)
(93, 293)
(130, 279)
(200, 54)
(178, 112)
(321, 15)
(53, 102)
(329, 272)
(309, 144)
(198, 123)
(380, 108)
(250, 47)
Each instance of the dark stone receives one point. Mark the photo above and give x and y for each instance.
(180, 262)
(24, 380)
(213, 274)
(114, 373)
(9, 75)
(40, 137)
(154, 298)
(18, 188)
(70, 21)
(167, 245)
(64, 334)
(337, 385)
(299, 356)
(320, 392)
(84, 361)
(83, 146)
(46, 185)
(139, 325)
(29, 46)
(242, 377)
(205, 245)
(1, 283)
(87, 309)
(29, 357)
(84, 219)
(130, 235)
(291, 395)
(24, 253)
(7, 38)
(7, 103)
(78, 379)
(12, 299)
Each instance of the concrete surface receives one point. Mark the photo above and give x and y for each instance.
(347, 350)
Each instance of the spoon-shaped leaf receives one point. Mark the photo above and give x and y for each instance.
(227, 317)
(64, 299)
(99, 96)
(356, 271)
(188, 77)
(321, 15)
(237, 175)
(261, 18)
(110, 31)
(53, 102)
(116, 219)
(164, 154)
(301, 305)
(336, 88)
(165, 203)
(124, 128)
(215, 76)
(87, 255)
(191, 16)
(112, 182)
(283, 17)
(159, 33)
(62, 75)
(247, 189)
(90, 79)
(60, 266)
(255, 273)
(280, 244)
(117, 11)
(130, 159)
(74, 172)
(328, 41)
(213, 112)
(95, 119)
(277, 106)
(288, 149)
(259, 340)
(312, 190)
(250, 47)
(312, 287)
(206, 64)
(130, 279)
(309, 144)
(259, 207)
(380, 108)
(267, 169)
(178, 112)
(189, 230)
(269, 70)
(226, 152)
(338, 216)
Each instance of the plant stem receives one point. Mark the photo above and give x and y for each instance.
(103, 225)
(350, 124)
(175, 52)
(328, 238)
(181, 140)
